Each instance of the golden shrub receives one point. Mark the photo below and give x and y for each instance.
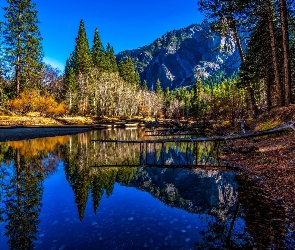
(31, 101)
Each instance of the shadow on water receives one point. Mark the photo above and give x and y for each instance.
(226, 210)
(265, 218)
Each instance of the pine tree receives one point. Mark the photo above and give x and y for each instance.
(82, 59)
(111, 63)
(159, 89)
(145, 85)
(137, 80)
(197, 103)
(97, 52)
(77, 72)
(258, 63)
(23, 42)
(286, 51)
(126, 70)
(70, 64)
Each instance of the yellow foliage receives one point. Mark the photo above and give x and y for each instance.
(226, 124)
(215, 126)
(144, 111)
(32, 102)
(39, 146)
(267, 125)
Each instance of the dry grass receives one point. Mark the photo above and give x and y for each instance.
(35, 120)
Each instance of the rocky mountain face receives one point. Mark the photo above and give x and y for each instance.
(179, 56)
(198, 191)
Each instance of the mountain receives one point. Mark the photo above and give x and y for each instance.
(178, 55)
(197, 191)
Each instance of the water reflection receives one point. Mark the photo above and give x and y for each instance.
(22, 175)
(186, 209)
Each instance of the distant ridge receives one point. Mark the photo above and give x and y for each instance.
(176, 56)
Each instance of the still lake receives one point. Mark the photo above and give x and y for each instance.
(70, 192)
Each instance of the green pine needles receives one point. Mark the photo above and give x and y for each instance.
(22, 43)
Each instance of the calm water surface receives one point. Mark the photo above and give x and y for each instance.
(66, 192)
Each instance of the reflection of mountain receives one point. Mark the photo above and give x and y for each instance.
(198, 191)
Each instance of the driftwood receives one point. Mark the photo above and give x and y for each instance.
(169, 132)
(212, 138)
(203, 167)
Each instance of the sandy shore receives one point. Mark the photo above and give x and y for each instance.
(24, 133)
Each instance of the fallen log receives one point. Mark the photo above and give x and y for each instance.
(212, 138)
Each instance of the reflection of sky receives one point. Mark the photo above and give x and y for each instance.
(128, 219)
(128, 216)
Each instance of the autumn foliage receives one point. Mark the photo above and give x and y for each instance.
(33, 101)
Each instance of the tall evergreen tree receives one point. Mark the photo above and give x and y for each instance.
(97, 52)
(126, 70)
(82, 59)
(159, 89)
(286, 51)
(145, 85)
(137, 79)
(269, 9)
(23, 42)
(226, 17)
(111, 63)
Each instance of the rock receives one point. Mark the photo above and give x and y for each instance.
(178, 55)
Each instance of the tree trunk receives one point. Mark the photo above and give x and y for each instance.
(238, 40)
(278, 84)
(17, 81)
(285, 41)
(17, 68)
(242, 57)
(267, 89)
(252, 99)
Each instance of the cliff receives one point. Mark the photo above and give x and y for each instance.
(179, 55)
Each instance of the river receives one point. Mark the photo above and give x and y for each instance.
(71, 192)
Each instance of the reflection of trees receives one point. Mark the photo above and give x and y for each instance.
(264, 217)
(98, 181)
(225, 233)
(179, 153)
(24, 166)
(82, 154)
(39, 146)
(23, 194)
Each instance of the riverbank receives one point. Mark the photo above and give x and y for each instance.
(24, 133)
(272, 165)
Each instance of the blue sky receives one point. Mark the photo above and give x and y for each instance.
(126, 24)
